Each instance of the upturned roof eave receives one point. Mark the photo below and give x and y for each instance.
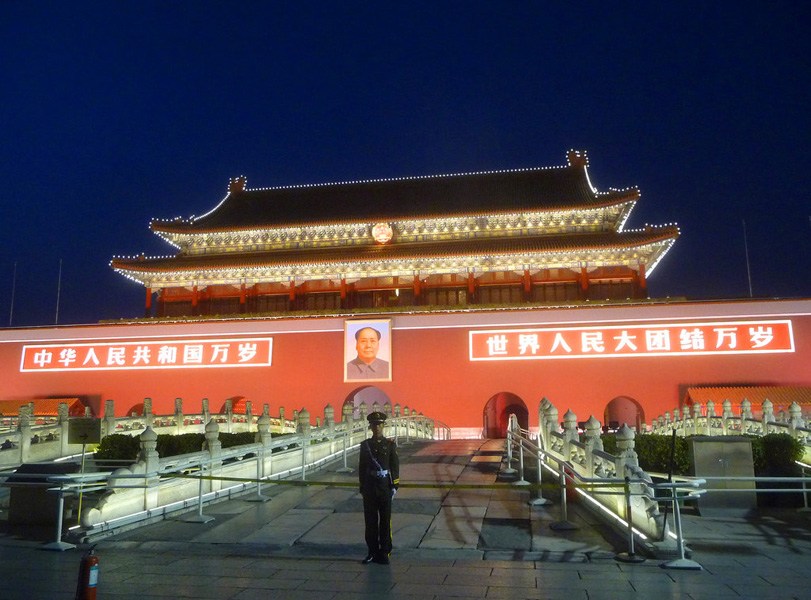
(662, 236)
(167, 229)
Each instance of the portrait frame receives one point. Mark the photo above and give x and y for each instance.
(353, 371)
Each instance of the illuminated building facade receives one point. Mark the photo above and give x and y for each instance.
(510, 270)
(505, 238)
(469, 368)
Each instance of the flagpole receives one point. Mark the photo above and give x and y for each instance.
(58, 292)
(13, 289)
(746, 250)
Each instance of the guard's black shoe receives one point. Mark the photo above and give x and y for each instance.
(369, 558)
(382, 559)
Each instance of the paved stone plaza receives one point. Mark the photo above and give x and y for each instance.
(462, 542)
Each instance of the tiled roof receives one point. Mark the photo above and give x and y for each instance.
(444, 195)
(450, 248)
(780, 396)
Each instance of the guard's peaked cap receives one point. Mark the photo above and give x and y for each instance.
(376, 417)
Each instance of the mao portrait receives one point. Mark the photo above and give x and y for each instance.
(367, 350)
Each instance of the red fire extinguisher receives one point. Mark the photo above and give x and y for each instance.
(88, 576)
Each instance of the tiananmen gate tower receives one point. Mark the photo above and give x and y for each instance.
(464, 297)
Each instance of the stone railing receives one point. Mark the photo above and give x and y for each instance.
(37, 438)
(591, 464)
(704, 420)
(153, 486)
(608, 484)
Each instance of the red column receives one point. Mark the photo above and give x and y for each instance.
(527, 286)
(417, 290)
(643, 281)
(471, 288)
(584, 283)
(242, 297)
(194, 299)
(343, 293)
(148, 307)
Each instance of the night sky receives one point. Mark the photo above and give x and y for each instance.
(114, 113)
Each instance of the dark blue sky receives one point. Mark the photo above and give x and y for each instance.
(116, 113)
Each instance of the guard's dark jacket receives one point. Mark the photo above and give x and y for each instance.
(379, 475)
(384, 451)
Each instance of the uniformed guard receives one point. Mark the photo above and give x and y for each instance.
(379, 475)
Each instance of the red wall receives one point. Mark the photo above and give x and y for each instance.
(431, 369)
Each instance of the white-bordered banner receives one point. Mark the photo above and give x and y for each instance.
(635, 339)
(151, 354)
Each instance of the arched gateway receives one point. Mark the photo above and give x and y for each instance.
(623, 410)
(368, 395)
(497, 412)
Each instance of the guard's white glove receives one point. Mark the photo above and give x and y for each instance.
(393, 492)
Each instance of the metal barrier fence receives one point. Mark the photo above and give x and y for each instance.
(153, 487)
(598, 492)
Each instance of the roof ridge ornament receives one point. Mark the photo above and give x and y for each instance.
(237, 184)
(577, 158)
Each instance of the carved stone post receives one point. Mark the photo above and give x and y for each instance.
(710, 416)
(593, 432)
(64, 425)
(24, 425)
(303, 429)
(592, 441)
(303, 422)
(229, 415)
(148, 416)
(329, 416)
(263, 434)
(746, 410)
(148, 457)
(542, 408)
(264, 437)
(551, 422)
(795, 420)
(570, 426)
(569, 433)
(768, 415)
(347, 411)
(726, 416)
(626, 455)
(205, 411)
(179, 415)
(696, 417)
(214, 447)
(109, 417)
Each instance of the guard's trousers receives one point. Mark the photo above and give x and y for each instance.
(377, 514)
